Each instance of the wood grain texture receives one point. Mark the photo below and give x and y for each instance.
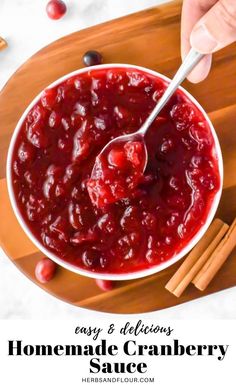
(151, 39)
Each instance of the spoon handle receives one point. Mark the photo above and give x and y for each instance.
(186, 67)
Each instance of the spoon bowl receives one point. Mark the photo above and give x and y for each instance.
(134, 137)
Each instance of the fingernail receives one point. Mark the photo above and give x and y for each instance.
(202, 40)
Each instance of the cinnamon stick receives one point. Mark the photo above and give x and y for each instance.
(217, 259)
(3, 43)
(197, 258)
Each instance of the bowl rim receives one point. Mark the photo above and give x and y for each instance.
(107, 276)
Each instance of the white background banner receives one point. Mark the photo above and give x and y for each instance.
(64, 369)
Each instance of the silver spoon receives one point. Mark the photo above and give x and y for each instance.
(186, 67)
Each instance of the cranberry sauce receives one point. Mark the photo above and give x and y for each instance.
(118, 170)
(55, 152)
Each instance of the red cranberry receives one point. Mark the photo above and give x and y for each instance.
(209, 181)
(56, 171)
(45, 270)
(80, 109)
(92, 58)
(117, 158)
(122, 115)
(158, 94)
(90, 258)
(35, 208)
(66, 123)
(167, 146)
(149, 221)
(116, 77)
(60, 191)
(135, 152)
(79, 215)
(107, 223)
(82, 237)
(49, 187)
(175, 183)
(30, 178)
(59, 226)
(105, 285)
(98, 84)
(73, 172)
(100, 123)
(64, 145)
(55, 244)
(152, 256)
(26, 152)
(36, 114)
(48, 98)
(56, 9)
(183, 115)
(136, 79)
(54, 120)
(37, 135)
(130, 218)
(16, 167)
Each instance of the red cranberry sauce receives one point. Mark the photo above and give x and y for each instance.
(55, 152)
(117, 172)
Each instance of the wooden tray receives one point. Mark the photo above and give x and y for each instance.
(149, 38)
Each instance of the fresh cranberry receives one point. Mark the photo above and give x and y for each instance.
(56, 9)
(45, 270)
(105, 285)
(92, 58)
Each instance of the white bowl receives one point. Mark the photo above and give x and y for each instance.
(123, 276)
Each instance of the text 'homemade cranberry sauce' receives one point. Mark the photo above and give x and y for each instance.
(55, 152)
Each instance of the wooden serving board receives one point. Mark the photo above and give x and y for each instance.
(151, 39)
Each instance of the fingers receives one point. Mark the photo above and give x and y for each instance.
(192, 12)
(216, 29)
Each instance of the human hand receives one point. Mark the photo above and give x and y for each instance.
(207, 26)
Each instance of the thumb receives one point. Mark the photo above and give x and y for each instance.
(216, 29)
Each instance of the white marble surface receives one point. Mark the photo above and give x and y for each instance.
(27, 29)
